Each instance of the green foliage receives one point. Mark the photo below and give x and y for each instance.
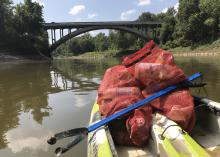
(211, 11)
(113, 40)
(101, 42)
(147, 16)
(28, 18)
(189, 22)
(5, 19)
(168, 27)
(198, 22)
(76, 46)
(21, 27)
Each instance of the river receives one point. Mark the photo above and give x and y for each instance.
(38, 99)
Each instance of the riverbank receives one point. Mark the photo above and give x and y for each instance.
(7, 55)
(181, 52)
(211, 49)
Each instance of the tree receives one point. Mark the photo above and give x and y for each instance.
(5, 19)
(189, 28)
(113, 40)
(28, 20)
(168, 26)
(147, 16)
(101, 42)
(86, 43)
(123, 41)
(211, 11)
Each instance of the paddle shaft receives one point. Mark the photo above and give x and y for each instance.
(140, 103)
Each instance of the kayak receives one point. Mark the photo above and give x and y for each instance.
(167, 138)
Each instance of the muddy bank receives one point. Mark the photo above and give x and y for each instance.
(10, 56)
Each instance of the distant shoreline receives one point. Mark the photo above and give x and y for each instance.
(196, 54)
(176, 53)
(8, 56)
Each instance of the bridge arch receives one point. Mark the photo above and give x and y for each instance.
(92, 28)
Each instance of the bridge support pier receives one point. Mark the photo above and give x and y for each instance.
(61, 33)
(69, 30)
(53, 35)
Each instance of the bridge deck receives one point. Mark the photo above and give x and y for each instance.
(66, 25)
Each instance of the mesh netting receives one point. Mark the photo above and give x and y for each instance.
(147, 71)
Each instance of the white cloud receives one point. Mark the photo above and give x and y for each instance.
(39, 1)
(176, 7)
(125, 15)
(144, 2)
(77, 9)
(91, 16)
(96, 32)
(164, 10)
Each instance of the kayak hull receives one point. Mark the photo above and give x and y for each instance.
(205, 141)
(100, 143)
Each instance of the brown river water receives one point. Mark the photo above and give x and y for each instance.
(38, 99)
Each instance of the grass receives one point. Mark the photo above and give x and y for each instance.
(213, 47)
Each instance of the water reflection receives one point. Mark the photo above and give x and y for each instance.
(22, 89)
(210, 67)
(22, 139)
(40, 98)
(85, 75)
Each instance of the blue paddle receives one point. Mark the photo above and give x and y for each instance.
(80, 133)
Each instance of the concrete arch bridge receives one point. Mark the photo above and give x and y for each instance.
(76, 28)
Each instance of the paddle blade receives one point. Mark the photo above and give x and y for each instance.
(75, 141)
(65, 134)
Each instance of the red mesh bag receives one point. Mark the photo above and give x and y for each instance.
(144, 73)
(134, 58)
(156, 76)
(149, 73)
(115, 99)
(117, 76)
(138, 123)
(179, 107)
(137, 130)
(156, 55)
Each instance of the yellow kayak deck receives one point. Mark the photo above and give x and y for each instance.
(100, 143)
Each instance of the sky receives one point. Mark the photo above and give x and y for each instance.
(100, 10)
